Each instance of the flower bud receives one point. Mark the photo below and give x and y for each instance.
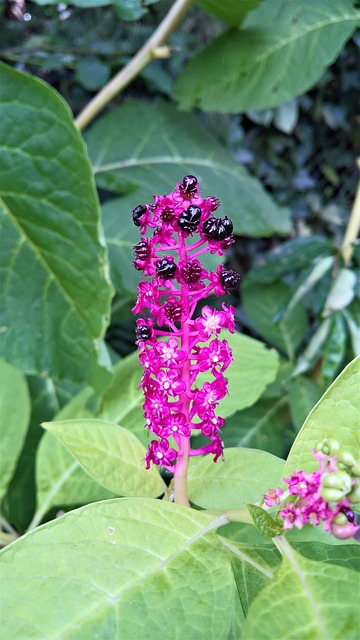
(328, 446)
(345, 460)
(354, 495)
(335, 485)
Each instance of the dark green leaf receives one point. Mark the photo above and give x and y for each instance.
(50, 217)
(263, 303)
(334, 349)
(244, 69)
(232, 11)
(91, 73)
(303, 396)
(154, 146)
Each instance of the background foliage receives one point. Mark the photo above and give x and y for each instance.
(281, 161)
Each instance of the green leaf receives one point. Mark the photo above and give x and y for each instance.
(153, 146)
(253, 368)
(334, 349)
(15, 415)
(244, 69)
(303, 395)
(61, 481)
(290, 256)
(314, 348)
(263, 303)
(263, 521)
(243, 476)
(232, 11)
(354, 331)
(126, 9)
(110, 454)
(121, 569)
(323, 603)
(346, 555)
(51, 222)
(341, 292)
(258, 427)
(91, 73)
(336, 416)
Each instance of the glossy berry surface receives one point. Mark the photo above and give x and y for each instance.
(142, 333)
(189, 219)
(229, 279)
(137, 213)
(189, 185)
(165, 269)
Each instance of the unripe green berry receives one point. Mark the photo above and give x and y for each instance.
(345, 460)
(340, 519)
(354, 495)
(328, 446)
(355, 469)
(335, 485)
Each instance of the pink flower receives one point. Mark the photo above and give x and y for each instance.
(273, 497)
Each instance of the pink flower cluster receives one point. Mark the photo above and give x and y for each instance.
(309, 505)
(174, 346)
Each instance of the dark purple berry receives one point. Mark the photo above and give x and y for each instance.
(348, 513)
(188, 186)
(165, 269)
(189, 219)
(191, 272)
(172, 310)
(142, 250)
(229, 280)
(137, 213)
(142, 332)
(228, 225)
(210, 228)
(167, 214)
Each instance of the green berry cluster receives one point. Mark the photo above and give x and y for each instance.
(345, 482)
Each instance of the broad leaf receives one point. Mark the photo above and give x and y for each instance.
(232, 11)
(61, 481)
(324, 603)
(336, 416)
(258, 427)
(264, 306)
(244, 69)
(151, 147)
(253, 368)
(290, 256)
(243, 476)
(334, 348)
(15, 415)
(121, 569)
(303, 395)
(51, 222)
(126, 9)
(110, 454)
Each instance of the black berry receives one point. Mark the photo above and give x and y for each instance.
(137, 213)
(191, 272)
(165, 269)
(228, 225)
(229, 280)
(217, 228)
(142, 332)
(188, 186)
(210, 228)
(189, 220)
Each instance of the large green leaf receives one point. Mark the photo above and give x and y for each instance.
(55, 288)
(303, 393)
(121, 569)
(110, 454)
(253, 368)
(263, 305)
(126, 9)
(336, 415)
(14, 415)
(258, 427)
(270, 59)
(151, 147)
(243, 476)
(232, 11)
(306, 599)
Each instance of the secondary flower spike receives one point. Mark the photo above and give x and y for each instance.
(177, 229)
